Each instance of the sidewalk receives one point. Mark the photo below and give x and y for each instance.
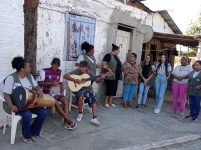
(120, 128)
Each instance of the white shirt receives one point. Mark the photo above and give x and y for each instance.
(42, 76)
(10, 85)
(81, 58)
(195, 74)
(182, 71)
(161, 70)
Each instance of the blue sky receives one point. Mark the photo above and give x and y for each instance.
(183, 12)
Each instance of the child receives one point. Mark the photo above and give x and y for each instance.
(85, 92)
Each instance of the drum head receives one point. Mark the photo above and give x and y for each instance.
(19, 97)
(55, 90)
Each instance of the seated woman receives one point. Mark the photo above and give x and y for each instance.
(22, 77)
(85, 92)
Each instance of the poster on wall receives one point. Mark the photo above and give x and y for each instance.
(79, 30)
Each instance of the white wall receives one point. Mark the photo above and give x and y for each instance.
(158, 24)
(51, 25)
(12, 37)
(11, 33)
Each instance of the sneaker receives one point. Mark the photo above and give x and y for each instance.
(144, 105)
(194, 119)
(138, 106)
(181, 114)
(107, 105)
(113, 105)
(189, 116)
(79, 117)
(157, 111)
(95, 122)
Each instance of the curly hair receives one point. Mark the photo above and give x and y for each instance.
(18, 63)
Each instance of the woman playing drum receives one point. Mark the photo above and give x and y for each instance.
(22, 77)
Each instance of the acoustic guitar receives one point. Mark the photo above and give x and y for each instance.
(86, 81)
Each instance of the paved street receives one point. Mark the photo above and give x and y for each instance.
(120, 129)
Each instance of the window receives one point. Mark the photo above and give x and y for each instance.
(78, 30)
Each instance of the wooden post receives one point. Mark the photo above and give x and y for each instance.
(30, 32)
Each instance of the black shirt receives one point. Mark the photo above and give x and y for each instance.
(107, 58)
(146, 71)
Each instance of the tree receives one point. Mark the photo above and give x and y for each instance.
(195, 27)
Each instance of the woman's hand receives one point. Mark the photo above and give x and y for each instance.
(198, 87)
(145, 82)
(98, 65)
(179, 78)
(14, 108)
(40, 94)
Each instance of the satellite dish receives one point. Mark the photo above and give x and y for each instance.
(148, 33)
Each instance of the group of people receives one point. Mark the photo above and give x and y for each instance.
(186, 79)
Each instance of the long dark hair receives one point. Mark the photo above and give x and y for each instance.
(165, 63)
(87, 47)
(149, 65)
(151, 59)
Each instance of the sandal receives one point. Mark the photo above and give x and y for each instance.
(71, 126)
(28, 141)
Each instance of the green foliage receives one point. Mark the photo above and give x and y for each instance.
(191, 53)
(195, 27)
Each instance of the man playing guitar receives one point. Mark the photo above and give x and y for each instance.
(52, 78)
(22, 77)
(85, 92)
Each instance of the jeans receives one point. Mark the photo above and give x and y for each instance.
(28, 129)
(179, 94)
(194, 106)
(143, 92)
(128, 92)
(161, 85)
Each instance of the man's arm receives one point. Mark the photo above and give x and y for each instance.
(69, 78)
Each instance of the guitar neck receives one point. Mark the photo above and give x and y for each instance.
(92, 78)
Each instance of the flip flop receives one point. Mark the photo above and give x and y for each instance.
(28, 141)
(71, 126)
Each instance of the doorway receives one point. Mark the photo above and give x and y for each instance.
(124, 41)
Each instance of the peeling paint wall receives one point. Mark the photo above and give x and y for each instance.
(12, 37)
(108, 13)
(158, 23)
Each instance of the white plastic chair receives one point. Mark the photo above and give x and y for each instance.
(14, 118)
